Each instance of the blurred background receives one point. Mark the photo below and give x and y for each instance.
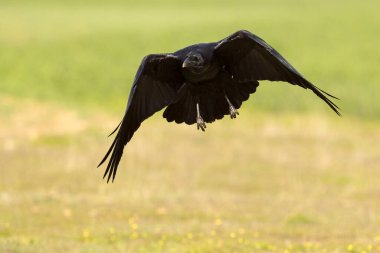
(287, 176)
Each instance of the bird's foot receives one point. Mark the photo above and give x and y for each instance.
(233, 112)
(201, 123)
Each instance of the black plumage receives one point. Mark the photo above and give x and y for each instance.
(202, 83)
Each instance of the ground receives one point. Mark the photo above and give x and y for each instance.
(286, 176)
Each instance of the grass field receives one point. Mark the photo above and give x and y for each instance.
(286, 176)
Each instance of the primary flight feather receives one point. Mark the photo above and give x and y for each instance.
(202, 83)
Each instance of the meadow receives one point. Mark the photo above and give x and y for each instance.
(287, 176)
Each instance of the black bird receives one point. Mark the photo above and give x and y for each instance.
(200, 84)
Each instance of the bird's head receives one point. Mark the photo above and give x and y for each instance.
(194, 61)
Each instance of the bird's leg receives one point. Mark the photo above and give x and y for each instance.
(233, 111)
(200, 122)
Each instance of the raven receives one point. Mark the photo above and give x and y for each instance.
(200, 84)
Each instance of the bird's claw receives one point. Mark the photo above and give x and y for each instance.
(233, 112)
(201, 124)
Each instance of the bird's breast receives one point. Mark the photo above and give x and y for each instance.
(209, 72)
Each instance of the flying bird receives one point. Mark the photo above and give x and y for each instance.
(202, 83)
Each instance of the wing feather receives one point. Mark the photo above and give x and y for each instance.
(250, 58)
(155, 86)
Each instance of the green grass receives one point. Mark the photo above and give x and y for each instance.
(87, 54)
(286, 176)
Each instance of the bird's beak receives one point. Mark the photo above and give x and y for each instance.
(187, 63)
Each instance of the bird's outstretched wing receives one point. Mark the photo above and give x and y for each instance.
(155, 86)
(250, 58)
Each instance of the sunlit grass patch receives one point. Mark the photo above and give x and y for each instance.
(54, 140)
(290, 184)
(300, 219)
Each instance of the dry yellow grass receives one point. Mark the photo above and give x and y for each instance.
(284, 183)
